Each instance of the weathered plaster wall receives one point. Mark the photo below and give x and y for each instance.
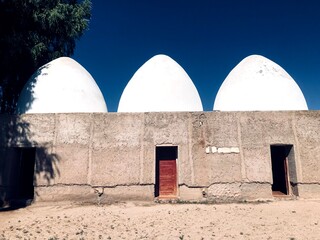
(222, 156)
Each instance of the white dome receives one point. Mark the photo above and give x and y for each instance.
(160, 85)
(258, 84)
(61, 85)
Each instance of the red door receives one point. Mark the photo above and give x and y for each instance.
(167, 178)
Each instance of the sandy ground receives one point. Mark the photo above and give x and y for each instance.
(274, 220)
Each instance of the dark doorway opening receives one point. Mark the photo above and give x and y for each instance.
(166, 172)
(280, 169)
(27, 165)
(17, 175)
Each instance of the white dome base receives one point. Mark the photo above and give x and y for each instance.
(160, 85)
(258, 84)
(61, 86)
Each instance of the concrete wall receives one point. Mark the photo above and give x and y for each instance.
(222, 156)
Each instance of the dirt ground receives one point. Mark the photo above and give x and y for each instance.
(138, 220)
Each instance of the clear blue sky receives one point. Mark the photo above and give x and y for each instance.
(206, 37)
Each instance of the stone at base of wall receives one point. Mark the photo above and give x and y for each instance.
(309, 191)
(256, 191)
(238, 192)
(191, 194)
(124, 193)
(85, 193)
(218, 192)
(226, 192)
(76, 193)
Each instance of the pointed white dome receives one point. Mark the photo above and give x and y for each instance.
(160, 85)
(61, 85)
(258, 84)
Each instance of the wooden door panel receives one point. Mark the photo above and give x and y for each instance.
(167, 177)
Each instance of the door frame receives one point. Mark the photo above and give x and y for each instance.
(174, 152)
(288, 168)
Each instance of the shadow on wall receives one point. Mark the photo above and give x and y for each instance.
(27, 94)
(23, 162)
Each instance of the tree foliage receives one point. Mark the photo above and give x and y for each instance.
(32, 33)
